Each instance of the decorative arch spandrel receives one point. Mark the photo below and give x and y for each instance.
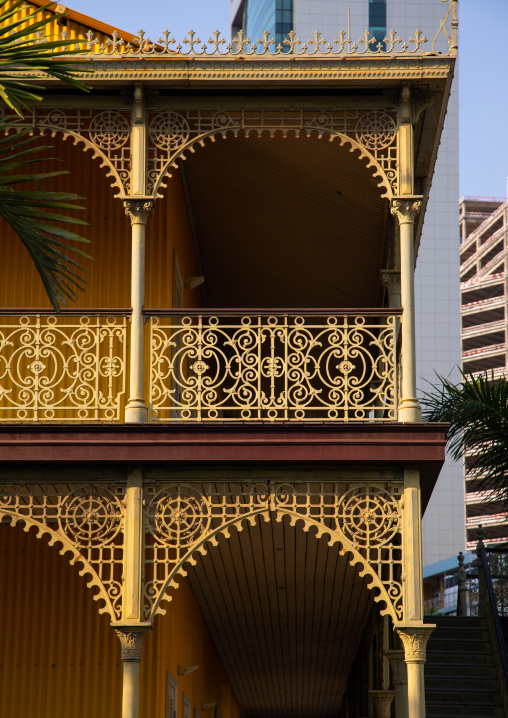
(365, 519)
(86, 519)
(106, 132)
(173, 134)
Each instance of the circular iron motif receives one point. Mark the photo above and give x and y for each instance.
(109, 130)
(169, 131)
(368, 519)
(178, 519)
(91, 517)
(375, 130)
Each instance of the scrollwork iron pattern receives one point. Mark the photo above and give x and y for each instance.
(105, 132)
(85, 520)
(216, 45)
(62, 368)
(181, 519)
(498, 564)
(273, 368)
(172, 133)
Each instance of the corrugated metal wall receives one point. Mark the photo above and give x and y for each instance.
(60, 659)
(109, 229)
(75, 30)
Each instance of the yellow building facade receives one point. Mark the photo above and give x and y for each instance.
(223, 439)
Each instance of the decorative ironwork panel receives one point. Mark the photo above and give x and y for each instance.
(365, 518)
(105, 132)
(173, 133)
(216, 45)
(498, 564)
(273, 368)
(62, 368)
(87, 519)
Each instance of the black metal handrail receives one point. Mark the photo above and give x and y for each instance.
(482, 555)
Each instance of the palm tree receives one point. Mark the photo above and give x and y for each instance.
(477, 410)
(36, 216)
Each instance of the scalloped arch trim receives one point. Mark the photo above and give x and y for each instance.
(67, 547)
(215, 134)
(112, 173)
(382, 595)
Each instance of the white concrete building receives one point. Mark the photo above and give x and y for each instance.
(437, 276)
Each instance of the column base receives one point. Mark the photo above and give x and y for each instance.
(136, 412)
(410, 411)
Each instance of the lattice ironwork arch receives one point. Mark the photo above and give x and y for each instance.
(86, 521)
(172, 135)
(387, 177)
(364, 520)
(119, 180)
(105, 132)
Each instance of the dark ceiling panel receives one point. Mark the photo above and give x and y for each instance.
(287, 222)
(285, 612)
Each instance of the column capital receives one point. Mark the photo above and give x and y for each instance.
(414, 638)
(390, 277)
(138, 209)
(406, 207)
(398, 665)
(382, 702)
(131, 638)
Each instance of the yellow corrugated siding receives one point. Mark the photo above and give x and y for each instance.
(61, 659)
(53, 31)
(168, 230)
(108, 275)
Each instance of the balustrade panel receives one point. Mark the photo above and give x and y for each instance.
(62, 368)
(273, 367)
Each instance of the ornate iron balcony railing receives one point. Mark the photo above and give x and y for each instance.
(227, 365)
(62, 368)
(263, 366)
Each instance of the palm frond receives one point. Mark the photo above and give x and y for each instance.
(477, 411)
(36, 219)
(22, 51)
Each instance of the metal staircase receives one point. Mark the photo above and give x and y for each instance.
(460, 673)
(467, 667)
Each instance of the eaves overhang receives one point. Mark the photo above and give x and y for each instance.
(281, 70)
(340, 445)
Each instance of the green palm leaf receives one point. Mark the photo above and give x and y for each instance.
(477, 410)
(37, 217)
(40, 230)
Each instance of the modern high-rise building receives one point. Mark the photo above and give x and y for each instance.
(483, 273)
(437, 269)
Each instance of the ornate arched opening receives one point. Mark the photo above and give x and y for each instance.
(280, 217)
(175, 135)
(363, 520)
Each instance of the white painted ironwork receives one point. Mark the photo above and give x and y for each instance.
(273, 368)
(173, 134)
(105, 133)
(218, 46)
(62, 368)
(365, 518)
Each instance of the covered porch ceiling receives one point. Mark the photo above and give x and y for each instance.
(286, 222)
(286, 613)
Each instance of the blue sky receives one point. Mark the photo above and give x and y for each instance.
(483, 93)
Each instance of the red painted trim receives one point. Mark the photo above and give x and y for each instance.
(223, 442)
(384, 445)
